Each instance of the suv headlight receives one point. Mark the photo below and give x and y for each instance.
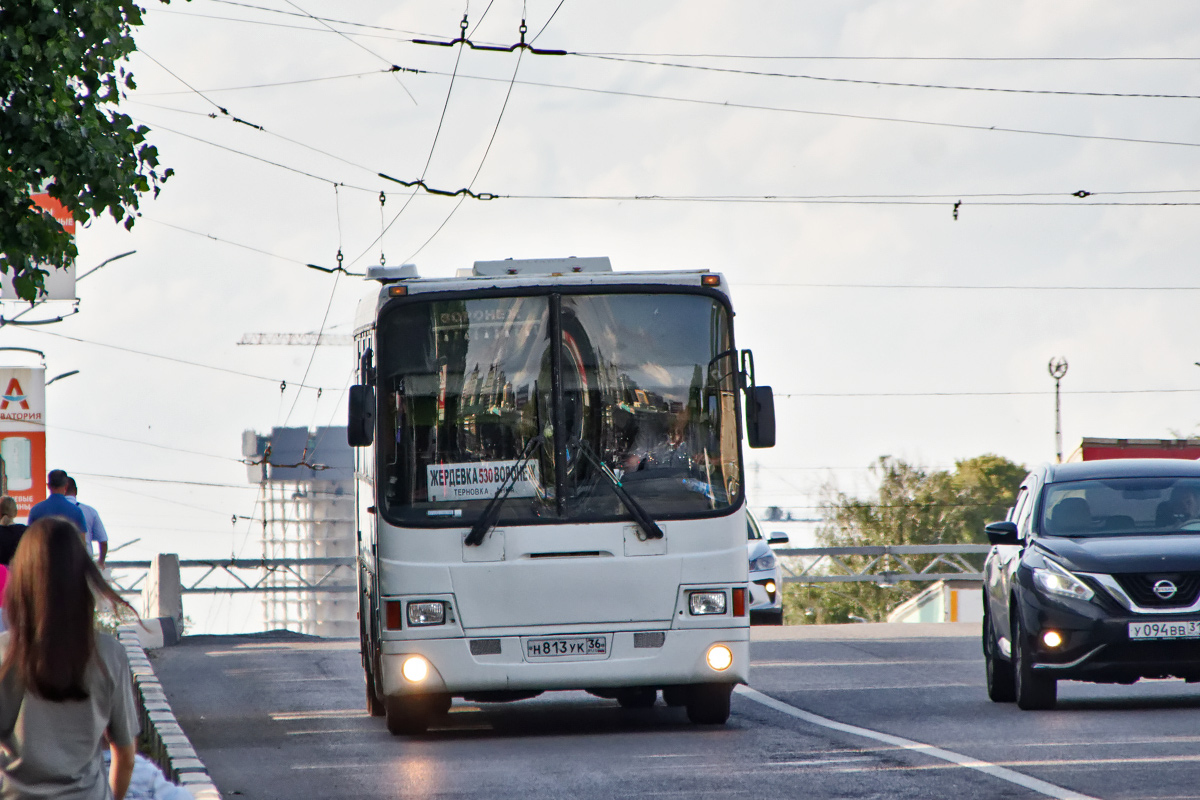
(1058, 581)
(763, 562)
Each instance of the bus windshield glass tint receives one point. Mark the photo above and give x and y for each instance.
(544, 394)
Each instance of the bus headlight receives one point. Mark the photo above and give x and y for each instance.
(700, 603)
(720, 657)
(415, 669)
(426, 612)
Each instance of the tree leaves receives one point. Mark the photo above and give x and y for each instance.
(61, 73)
(911, 506)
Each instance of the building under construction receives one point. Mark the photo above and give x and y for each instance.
(306, 508)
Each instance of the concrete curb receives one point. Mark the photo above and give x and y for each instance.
(168, 745)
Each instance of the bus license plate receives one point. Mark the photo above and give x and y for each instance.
(566, 647)
(1182, 629)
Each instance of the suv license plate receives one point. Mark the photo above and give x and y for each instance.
(566, 647)
(1183, 629)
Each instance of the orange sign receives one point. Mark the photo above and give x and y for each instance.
(57, 210)
(23, 434)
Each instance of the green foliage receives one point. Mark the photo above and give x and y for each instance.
(61, 77)
(912, 506)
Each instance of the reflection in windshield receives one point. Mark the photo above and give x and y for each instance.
(1121, 506)
(644, 383)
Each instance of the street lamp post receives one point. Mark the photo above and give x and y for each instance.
(1057, 368)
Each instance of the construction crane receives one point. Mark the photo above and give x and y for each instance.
(305, 339)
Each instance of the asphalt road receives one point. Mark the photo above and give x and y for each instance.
(850, 712)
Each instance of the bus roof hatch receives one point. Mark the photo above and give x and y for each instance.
(542, 266)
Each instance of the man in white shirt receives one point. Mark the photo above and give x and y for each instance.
(95, 528)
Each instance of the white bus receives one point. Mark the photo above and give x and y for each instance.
(550, 489)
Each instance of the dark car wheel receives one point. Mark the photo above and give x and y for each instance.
(1001, 685)
(1034, 692)
(411, 714)
(375, 705)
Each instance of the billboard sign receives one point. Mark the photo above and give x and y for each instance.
(60, 283)
(23, 434)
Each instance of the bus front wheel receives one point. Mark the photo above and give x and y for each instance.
(708, 703)
(410, 714)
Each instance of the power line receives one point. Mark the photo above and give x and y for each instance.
(277, 381)
(142, 442)
(486, 151)
(428, 160)
(210, 237)
(1046, 393)
(717, 56)
(837, 115)
(257, 158)
(206, 484)
(829, 79)
(964, 287)
(359, 45)
(270, 85)
(952, 59)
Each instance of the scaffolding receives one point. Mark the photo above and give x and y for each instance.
(306, 508)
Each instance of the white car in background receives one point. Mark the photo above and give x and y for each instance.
(766, 588)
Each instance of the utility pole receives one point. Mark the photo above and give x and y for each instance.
(1057, 368)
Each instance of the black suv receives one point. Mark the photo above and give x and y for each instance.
(1094, 576)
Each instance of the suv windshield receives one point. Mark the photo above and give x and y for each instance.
(1117, 506)
(641, 385)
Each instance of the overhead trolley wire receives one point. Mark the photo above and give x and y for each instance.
(837, 114)
(359, 45)
(830, 79)
(486, 151)
(184, 361)
(429, 159)
(1036, 393)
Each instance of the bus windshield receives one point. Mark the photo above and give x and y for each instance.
(541, 395)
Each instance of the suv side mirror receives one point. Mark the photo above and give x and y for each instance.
(1002, 533)
(778, 537)
(360, 430)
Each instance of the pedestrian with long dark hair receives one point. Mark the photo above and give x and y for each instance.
(65, 688)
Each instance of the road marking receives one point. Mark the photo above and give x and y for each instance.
(886, 662)
(1003, 773)
(331, 713)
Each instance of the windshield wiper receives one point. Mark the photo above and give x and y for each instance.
(491, 512)
(644, 520)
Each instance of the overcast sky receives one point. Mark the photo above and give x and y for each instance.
(885, 324)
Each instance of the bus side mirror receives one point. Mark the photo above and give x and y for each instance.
(360, 430)
(760, 416)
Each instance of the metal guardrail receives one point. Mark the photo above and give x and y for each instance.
(128, 576)
(885, 564)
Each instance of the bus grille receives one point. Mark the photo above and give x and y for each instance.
(485, 647)
(649, 639)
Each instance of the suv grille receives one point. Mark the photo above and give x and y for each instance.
(1140, 588)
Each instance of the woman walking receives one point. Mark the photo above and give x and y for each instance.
(65, 688)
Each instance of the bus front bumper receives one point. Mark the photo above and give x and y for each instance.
(470, 664)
